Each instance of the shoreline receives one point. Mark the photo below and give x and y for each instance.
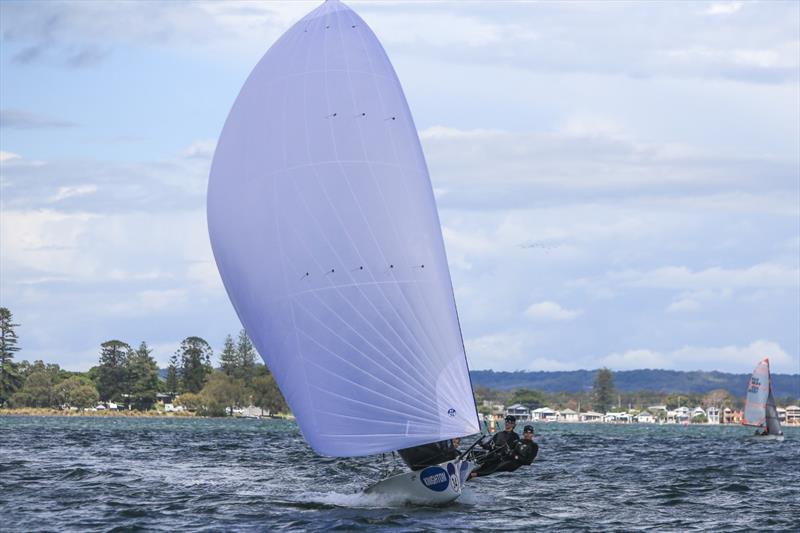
(44, 411)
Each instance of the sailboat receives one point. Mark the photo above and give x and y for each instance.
(759, 409)
(325, 231)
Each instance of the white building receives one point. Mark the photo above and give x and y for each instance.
(645, 418)
(617, 418)
(793, 414)
(544, 414)
(682, 415)
(713, 415)
(591, 416)
(568, 415)
(698, 411)
(519, 411)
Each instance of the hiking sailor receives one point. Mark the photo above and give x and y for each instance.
(500, 447)
(523, 452)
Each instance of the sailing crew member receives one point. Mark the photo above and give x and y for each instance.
(505, 439)
(500, 447)
(523, 453)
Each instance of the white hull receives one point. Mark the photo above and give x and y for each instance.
(434, 485)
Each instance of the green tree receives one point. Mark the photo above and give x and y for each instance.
(229, 358)
(267, 395)
(77, 391)
(142, 378)
(195, 355)
(10, 379)
(246, 356)
(603, 390)
(190, 400)
(39, 387)
(221, 394)
(530, 398)
(173, 382)
(113, 370)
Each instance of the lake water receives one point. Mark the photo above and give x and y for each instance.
(160, 474)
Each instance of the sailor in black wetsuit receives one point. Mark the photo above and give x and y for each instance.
(525, 450)
(500, 448)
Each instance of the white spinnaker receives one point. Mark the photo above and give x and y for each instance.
(325, 232)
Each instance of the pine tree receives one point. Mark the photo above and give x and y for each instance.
(247, 357)
(195, 354)
(10, 379)
(113, 370)
(142, 378)
(173, 381)
(603, 390)
(229, 358)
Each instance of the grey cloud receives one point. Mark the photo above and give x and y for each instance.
(106, 187)
(635, 40)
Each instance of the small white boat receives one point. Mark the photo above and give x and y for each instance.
(434, 485)
(759, 409)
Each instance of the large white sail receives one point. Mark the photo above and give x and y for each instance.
(758, 391)
(325, 231)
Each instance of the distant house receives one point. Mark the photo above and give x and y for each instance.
(698, 411)
(713, 415)
(656, 408)
(544, 414)
(645, 418)
(591, 416)
(165, 397)
(617, 418)
(682, 415)
(518, 410)
(793, 414)
(567, 415)
(781, 414)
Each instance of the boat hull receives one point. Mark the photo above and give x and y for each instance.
(434, 485)
(776, 438)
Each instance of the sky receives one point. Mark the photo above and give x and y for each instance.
(618, 182)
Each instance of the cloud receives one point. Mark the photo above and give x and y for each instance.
(200, 150)
(550, 311)
(149, 301)
(692, 301)
(499, 350)
(12, 118)
(98, 186)
(9, 156)
(725, 358)
(763, 275)
(590, 159)
(70, 192)
(723, 8)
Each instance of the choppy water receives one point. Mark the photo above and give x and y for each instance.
(126, 474)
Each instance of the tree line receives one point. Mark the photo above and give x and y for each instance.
(132, 379)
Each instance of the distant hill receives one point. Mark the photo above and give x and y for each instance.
(666, 381)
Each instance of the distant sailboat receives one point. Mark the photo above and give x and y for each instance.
(325, 231)
(760, 410)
